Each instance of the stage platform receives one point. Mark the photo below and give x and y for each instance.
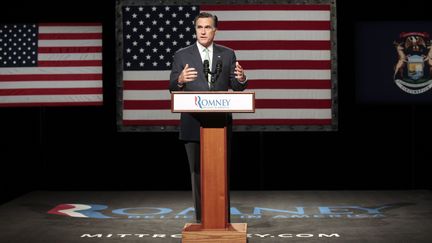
(272, 216)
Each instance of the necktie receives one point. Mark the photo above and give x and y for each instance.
(207, 57)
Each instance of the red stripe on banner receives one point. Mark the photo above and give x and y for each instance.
(263, 7)
(279, 64)
(68, 103)
(70, 36)
(274, 25)
(70, 24)
(50, 77)
(151, 122)
(288, 84)
(70, 49)
(50, 91)
(276, 45)
(70, 63)
(146, 85)
(282, 122)
(292, 104)
(147, 104)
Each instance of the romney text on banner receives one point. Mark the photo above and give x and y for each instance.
(285, 50)
(51, 64)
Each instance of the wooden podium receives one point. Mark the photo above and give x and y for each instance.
(215, 226)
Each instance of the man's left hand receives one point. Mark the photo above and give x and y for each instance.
(239, 72)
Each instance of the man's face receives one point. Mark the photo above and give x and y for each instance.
(205, 31)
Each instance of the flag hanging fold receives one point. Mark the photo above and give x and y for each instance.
(284, 49)
(51, 64)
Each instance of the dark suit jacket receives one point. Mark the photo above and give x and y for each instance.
(190, 123)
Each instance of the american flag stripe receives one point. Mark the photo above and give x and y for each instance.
(285, 50)
(255, 84)
(68, 70)
(273, 15)
(53, 91)
(71, 49)
(259, 104)
(274, 7)
(282, 64)
(70, 36)
(250, 122)
(292, 55)
(65, 28)
(51, 77)
(72, 63)
(233, 35)
(137, 95)
(150, 121)
(252, 74)
(68, 43)
(17, 72)
(70, 56)
(277, 45)
(284, 122)
(289, 84)
(298, 79)
(50, 84)
(49, 100)
(260, 114)
(275, 25)
(270, 15)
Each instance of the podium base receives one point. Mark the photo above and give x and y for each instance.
(234, 233)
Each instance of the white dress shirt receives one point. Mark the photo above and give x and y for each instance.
(202, 53)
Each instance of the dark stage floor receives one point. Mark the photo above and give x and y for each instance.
(272, 216)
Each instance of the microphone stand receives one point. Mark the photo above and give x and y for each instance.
(215, 75)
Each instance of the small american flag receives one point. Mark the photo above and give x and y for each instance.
(52, 64)
(285, 50)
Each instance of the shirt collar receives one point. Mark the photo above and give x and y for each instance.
(201, 47)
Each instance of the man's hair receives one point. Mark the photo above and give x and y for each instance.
(207, 15)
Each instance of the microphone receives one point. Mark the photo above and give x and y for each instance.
(218, 67)
(216, 74)
(206, 69)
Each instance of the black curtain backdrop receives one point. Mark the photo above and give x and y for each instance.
(78, 148)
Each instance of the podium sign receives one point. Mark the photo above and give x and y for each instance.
(217, 101)
(213, 145)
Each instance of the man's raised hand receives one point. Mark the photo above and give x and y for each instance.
(187, 75)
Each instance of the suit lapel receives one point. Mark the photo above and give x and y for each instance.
(196, 59)
(197, 63)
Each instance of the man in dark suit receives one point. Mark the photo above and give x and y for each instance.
(187, 74)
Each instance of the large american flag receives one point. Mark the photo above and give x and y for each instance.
(51, 64)
(285, 50)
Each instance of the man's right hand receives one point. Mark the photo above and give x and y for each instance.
(187, 75)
